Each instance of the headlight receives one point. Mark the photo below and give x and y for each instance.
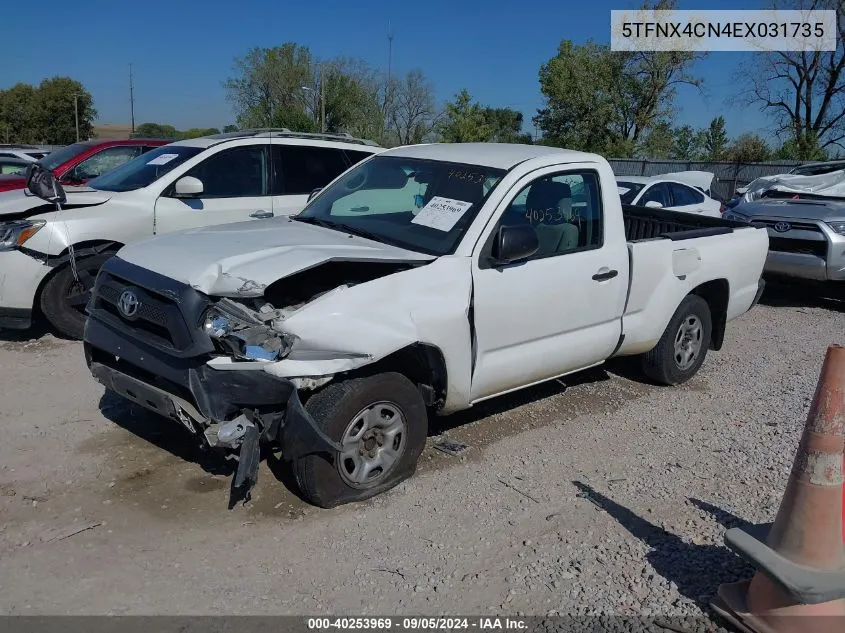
(244, 335)
(15, 233)
(838, 227)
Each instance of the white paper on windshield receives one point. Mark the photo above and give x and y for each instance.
(163, 159)
(441, 213)
(623, 190)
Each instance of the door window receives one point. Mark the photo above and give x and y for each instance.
(238, 172)
(683, 195)
(564, 209)
(104, 161)
(656, 193)
(299, 169)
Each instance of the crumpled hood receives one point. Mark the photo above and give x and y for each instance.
(807, 209)
(20, 203)
(242, 259)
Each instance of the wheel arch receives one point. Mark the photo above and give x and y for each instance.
(421, 363)
(58, 262)
(717, 294)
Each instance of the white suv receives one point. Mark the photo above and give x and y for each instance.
(187, 184)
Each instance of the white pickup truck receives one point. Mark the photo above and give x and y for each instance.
(424, 280)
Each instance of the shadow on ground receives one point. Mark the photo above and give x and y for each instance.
(782, 293)
(697, 570)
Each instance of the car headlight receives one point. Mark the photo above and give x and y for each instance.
(838, 227)
(15, 233)
(244, 335)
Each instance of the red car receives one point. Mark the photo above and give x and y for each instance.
(78, 163)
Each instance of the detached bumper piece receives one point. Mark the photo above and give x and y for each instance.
(15, 318)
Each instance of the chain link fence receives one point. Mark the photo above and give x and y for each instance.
(727, 176)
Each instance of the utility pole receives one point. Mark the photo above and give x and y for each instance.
(131, 101)
(76, 114)
(388, 89)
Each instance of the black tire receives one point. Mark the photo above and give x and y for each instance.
(661, 363)
(63, 299)
(320, 477)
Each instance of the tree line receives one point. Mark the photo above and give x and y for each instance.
(618, 104)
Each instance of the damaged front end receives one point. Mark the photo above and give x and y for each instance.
(215, 364)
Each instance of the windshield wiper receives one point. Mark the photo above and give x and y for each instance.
(308, 219)
(345, 228)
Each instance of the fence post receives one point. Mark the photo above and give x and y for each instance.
(642, 167)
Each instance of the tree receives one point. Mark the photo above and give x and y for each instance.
(748, 148)
(803, 91)
(17, 114)
(659, 142)
(156, 130)
(601, 100)
(196, 132)
(506, 126)
(715, 140)
(464, 121)
(47, 113)
(790, 150)
(230, 128)
(688, 144)
(410, 109)
(270, 80)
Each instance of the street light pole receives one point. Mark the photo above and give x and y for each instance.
(322, 102)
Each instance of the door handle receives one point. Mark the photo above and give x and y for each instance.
(604, 274)
(261, 214)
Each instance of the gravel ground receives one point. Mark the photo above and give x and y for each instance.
(594, 495)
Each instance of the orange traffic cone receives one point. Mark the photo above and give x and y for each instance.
(799, 586)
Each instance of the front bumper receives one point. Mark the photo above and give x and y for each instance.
(159, 361)
(20, 276)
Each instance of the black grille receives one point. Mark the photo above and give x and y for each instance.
(158, 317)
(807, 247)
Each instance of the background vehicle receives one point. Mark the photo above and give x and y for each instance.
(13, 166)
(24, 152)
(806, 235)
(187, 184)
(819, 168)
(80, 162)
(667, 193)
(427, 277)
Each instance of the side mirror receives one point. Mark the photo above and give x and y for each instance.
(653, 204)
(514, 243)
(314, 193)
(42, 183)
(188, 187)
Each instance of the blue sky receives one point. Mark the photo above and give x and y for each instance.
(183, 50)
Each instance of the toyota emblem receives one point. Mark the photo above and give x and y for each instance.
(128, 303)
(782, 227)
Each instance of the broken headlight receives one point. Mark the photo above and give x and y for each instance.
(17, 232)
(243, 334)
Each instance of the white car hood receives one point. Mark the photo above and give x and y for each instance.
(20, 203)
(700, 179)
(242, 259)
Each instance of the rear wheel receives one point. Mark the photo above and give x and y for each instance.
(381, 423)
(681, 350)
(64, 297)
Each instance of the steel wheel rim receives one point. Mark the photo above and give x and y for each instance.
(373, 443)
(688, 342)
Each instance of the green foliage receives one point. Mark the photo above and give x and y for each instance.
(465, 121)
(715, 140)
(659, 142)
(156, 130)
(805, 148)
(748, 148)
(688, 144)
(196, 132)
(605, 101)
(230, 128)
(46, 113)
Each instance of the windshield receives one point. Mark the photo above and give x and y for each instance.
(628, 190)
(421, 205)
(817, 170)
(144, 169)
(54, 159)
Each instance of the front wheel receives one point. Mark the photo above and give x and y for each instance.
(683, 346)
(381, 422)
(64, 297)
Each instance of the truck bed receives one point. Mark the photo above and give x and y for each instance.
(646, 223)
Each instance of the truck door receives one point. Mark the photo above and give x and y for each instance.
(560, 310)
